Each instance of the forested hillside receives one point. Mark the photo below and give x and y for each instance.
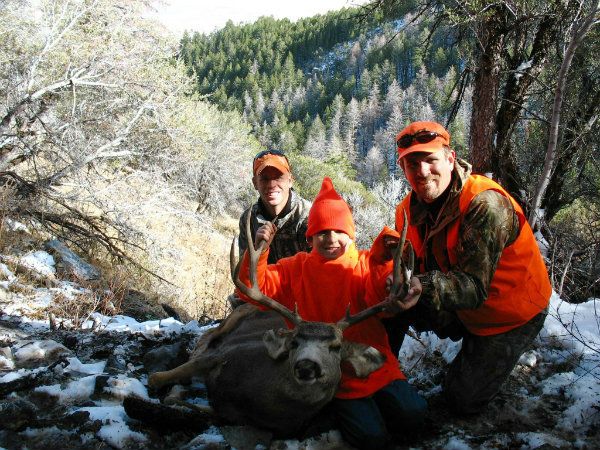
(125, 163)
(335, 87)
(110, 129)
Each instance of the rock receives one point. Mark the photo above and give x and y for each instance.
(165, 358)
(165, 417)
(71, 264)
(6, 359)
(39, 353)
(137, 305)
(16, 413)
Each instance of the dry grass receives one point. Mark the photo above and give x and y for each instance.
(186, 250)
(198, 265)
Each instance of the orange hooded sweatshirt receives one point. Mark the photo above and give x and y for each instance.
(323, 288)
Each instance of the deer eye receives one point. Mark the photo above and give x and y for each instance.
(335, 347)
(293, 344)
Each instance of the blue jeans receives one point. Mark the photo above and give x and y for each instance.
(370, 422)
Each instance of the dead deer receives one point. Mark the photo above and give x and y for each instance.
(259, 372)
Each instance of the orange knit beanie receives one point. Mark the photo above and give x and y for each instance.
(329, 212)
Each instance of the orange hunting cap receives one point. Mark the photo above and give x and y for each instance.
(272, 158)
(428, 137)
(329, 211)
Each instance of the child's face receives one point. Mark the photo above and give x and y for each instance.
(331, 244)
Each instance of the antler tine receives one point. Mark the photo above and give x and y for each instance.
(401, 273)
(254, 291)
(400, 282)
(350, 320)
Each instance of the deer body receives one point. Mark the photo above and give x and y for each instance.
(260, 372)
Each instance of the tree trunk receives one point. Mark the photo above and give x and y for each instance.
(485, 94)
(557, 194)
(526, 68)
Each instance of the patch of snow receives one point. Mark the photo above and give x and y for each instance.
(76, 366)
(39, 350)
(542, 243)
(40, 261)
(149, 328)
(584, 395)
(7, 273)
(115, 430)
(522, 68)
(6, 364)
(575, 320)
(69, 290)
(536, 440)
(13, 225)
(210, 436)
(529, 358)
(457, 443)
(15, 375)
(76, 390)
(413, 350)
(525, 65)
(122, 386)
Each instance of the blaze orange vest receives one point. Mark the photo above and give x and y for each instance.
(520, 288)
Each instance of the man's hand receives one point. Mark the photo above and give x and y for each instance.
(265, 233)
(399, 304)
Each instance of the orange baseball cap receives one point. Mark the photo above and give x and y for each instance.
(428, 137)
(272, 158)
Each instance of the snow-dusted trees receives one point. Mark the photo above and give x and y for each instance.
(316, 141)
(90, 95)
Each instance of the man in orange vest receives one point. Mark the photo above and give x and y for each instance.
(482, 276)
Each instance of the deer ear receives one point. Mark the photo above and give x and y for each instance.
(276, 342)
(363, 358)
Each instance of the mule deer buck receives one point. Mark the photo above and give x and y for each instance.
(259, 372)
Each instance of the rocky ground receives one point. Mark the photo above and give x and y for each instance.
(56, 401)
(85, 387)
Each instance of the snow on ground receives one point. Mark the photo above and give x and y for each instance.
(553, 398)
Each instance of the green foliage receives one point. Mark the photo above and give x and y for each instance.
(286, 58)
(309, 172)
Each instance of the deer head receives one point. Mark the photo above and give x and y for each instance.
(307, 359)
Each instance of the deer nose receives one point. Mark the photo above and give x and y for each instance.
(307, 370)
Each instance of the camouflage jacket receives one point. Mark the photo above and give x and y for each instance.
(489, 225)
(291, 227)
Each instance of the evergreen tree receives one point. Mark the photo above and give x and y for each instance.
(316, 140)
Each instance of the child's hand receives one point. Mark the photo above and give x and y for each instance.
(265, 233)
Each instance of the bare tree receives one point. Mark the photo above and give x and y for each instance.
(579, 29)
(91, 95)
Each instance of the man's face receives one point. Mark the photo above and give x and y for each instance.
(330, 244)
(429, 174)
(273, 186)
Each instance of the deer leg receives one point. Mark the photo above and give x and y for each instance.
(224, 328)
(180, 374)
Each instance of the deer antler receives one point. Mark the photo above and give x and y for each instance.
(254, 291)
(401, 274)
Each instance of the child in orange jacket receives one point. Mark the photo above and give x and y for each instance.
(322, 284)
